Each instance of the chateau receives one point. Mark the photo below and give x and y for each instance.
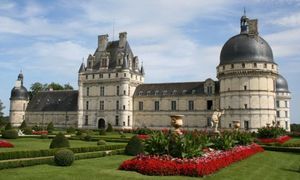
(111, 90)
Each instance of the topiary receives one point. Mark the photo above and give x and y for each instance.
(59, 141)
(135, 146)
(102, 132)
(101, 142)
(50, 127)
(10, 134)
(8, 126)
(109, 128)
(27, 130)
(23, 125)
(64, 157)
(87, 137)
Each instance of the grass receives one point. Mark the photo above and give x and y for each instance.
(293, 140)
(36, 143)
(268, 166)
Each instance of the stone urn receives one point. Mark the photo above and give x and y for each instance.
(177, 122)
(236, 125)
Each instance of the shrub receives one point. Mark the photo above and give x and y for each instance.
(50, 127)
(23, 125)
(44, 136)
(10, 134)
(224, 141)
(122, 136)
(27, 130)
(270, 132)
(101, 142)
(242, 138)
(144, 130)
(157, 144)
(71, 130)
(37, 128)
(102, 132)
(64, 157)
(87, 137)
(81, 131)
(8, 126)
(135, 146)
(109, 128)
(59, 141)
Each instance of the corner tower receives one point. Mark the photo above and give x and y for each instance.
(247, 75)
(19, 99)
(107, 84)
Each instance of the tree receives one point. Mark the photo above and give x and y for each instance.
(50, 127)
(55, 86)
(36, 87)
(68, 87)
(1, 109)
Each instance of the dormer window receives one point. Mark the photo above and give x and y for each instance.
(174, 92)
(148, 93)
(140, 93)
(193, 91)
(165, 92)
(255, 65)
(232, 66)
(156, 93)
(184, 91)
(265, 65)
(243, 65)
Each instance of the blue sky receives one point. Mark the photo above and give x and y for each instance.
(177, 40)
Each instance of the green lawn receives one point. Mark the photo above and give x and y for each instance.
(36, 143)
(293, 140)
(268, 165)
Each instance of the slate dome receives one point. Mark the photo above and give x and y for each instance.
(19, 93)
(281, 84)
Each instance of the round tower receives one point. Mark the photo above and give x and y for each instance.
(283, 97)
(18, 102)
(247, 75)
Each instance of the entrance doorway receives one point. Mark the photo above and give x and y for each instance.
(101, 124)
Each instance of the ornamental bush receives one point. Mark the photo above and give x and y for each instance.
(109, 128)
(8, 126)
(10, 134)
(50, 127)
(23, 125)
(270, 132)
(59, 141)
(87, 137)
(242, 138)
(224, 142)
(64, 157)
(27, 130)
(102, 132)
(135, 146)
(101, 142)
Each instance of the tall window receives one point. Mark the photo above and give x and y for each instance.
(141, 106)
(156, 105)
(255, 65)
(286, 114)
(104, 63)
(191, 105)
(87, 91)
(278, 113)
(246, 106)
(173, 105)
(278, 104)
(117, 75)
(286, 103)
(101, 105)
(245, 87)
(209, 90)
(101, 75)
(87, 105)
(117, 121)
(246, 125)
(209, 104)
(243, 65)
(128, 120)
(117, 105)
(118, 90)
(101, 91)
(86, 122)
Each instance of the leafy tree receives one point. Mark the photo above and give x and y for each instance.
(2, 119)
(68, 87)
(55, 86)
(36, 87)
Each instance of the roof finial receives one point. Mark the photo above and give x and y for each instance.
(244, 11)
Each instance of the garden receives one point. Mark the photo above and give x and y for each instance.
(148, 154)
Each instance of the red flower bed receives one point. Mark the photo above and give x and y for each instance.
(39, 132)
(5, 144)
(143, 136)
(200, 166)
(281, 140)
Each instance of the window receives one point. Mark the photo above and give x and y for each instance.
(86, 76)
(117, 75)
(277, 104)
(86, 122)
(156, 92)
(272, 66)
(265, 65)
(108, 75)
(124, 107)
(246, 125)
(93, 76)
(243, 65)
(286, 114)
(191, 105)
(286, 125)
(148, 93)
(101, 91)
(124, 92)
(87, 91)
(174, 92)
(246, 106)
(140, 93)
(117, 121)
(209, 104)
(286, 103)
(278, 113)
(245, 87)
(165, 92)
(124, 124)
(173, 105)
(101, 105)
(104, 63)
(87, 105)
(118, 90)
(223, 67)
(156, 105)
(141, 106)
(124, 74)
(128, 121)
(229, 125)
(232, 66)
(208, 121)
(117, 105)
(255, 65)
(101, 75)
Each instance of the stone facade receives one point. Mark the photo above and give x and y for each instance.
(112, 90)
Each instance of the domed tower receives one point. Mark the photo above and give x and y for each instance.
(283, 98)
(19, 99)
(247, 75)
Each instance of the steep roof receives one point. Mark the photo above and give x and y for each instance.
(173, 89)
(54, 101)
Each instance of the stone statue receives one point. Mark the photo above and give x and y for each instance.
(215, 119)
(177, 122)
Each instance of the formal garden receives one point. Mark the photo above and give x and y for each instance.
(51, 153)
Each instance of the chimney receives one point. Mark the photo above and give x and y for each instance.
(102, 42)
(122, 39)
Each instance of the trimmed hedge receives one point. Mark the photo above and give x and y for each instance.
(107, 139)
(282, 149)
(50, 152)
(10, 134)
(60, 141)
(49, 160)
